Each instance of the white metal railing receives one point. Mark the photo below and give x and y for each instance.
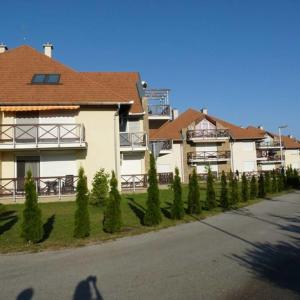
(14, 134)
(268, 144)
(133, 139)
(208, 133)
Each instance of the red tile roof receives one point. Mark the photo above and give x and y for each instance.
(123, 83)
(17, 66)
(172, 129)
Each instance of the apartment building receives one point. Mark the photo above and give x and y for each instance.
(54, 120)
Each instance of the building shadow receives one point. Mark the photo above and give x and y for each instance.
(87, 290)
(9, 218)
(47, 228)
(26, 294)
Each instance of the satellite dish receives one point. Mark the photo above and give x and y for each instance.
(144, 84)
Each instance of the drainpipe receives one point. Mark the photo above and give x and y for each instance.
(117, 146)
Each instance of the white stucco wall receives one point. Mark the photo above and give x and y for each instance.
(243, 156)
(292, 158)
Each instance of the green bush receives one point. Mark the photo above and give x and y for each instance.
(82, 218)
(253, 188)
(224, 201)
(274, 184)
(194, 206)
(234, 191)
(32, 226)
(210, 191)
(280, 181)
(153, 214)
(177, 211)
(261, 186)
(112, 214)
(267, 183)
(245, 188)
(100, 188)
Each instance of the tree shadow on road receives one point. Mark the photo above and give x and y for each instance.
(87, 290)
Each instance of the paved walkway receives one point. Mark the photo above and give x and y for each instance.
(252, 253)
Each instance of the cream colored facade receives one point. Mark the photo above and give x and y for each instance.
(292, 158)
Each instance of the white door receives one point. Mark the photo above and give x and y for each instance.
(131, 164)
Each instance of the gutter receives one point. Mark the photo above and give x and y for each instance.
(66, 103)
(116, 145)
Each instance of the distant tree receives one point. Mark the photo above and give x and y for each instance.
(32, 226)
(194, 206)
(274, 185)
(245, 188)
(233, 189)
(210, 191)
(284, 178)
(253, 188)
(261, 186)
(267, 183)
(224, 201)
(82, 218)
(153, 214)
(112, 221)
(100, 188)
(177, 211)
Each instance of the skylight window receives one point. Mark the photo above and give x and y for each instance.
(45, 79)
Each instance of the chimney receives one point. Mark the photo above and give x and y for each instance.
(175, 114)
(3, 48)
(204, 110)
(48, 47)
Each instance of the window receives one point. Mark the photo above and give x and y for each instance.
(45, 79)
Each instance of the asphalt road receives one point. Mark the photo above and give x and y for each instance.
(252, 253)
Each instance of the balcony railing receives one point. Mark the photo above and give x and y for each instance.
(208, 155)
(39, 134)
(133, 139)
(162, 110)
(268, 156)
(45, 186)
(164, 144)
(273, 144)
(208, 134)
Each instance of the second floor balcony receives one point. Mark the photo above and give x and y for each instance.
(268, 144)
(205, 135)
(42, 136)
(161, 146)
(159, 111)
(269, 156)
(133, 141)
(204, 156)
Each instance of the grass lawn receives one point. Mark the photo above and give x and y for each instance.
(58, 221)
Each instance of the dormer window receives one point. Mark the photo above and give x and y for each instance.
(45, 79)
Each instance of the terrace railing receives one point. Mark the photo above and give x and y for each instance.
(208, 155)
(268, 144)
(45, 186)
(159, 110)
(133, 140)
(267, 156)
(207, 133)
(14, 134)
(164, 144)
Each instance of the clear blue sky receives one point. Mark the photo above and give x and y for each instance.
(240, 59)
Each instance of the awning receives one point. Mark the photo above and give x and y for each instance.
(39, 107)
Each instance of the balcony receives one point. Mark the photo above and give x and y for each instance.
(268, 145)
(267, 157)
(159, 112)
(208, 156)
(42, 136)
(133, 141)
(162, 146)
(208, 135)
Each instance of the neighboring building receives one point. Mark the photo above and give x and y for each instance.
(201, 141)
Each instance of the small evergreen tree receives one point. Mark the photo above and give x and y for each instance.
(112, 221)
(261, 186)
(296, 181)
(280, 181)
(194, 206)
(210, 191)
(253, 188)
(82, 218)
(245, 188)
(177, 207)
(283, 178)
(231, 188)
(234, 192)
(100, 188)
(32, 226)
(224, 201)
(153, 213)
(267, 183)
(274, 185)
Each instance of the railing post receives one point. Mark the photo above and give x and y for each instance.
(14, 190)
(59, 188)
(14, 136)
(80, 134)
(133, 181)
(36, 135)
(58, 135)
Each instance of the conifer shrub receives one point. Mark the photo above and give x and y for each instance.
(253, 188)
(194, 205)
(32, 226)
(100, 188)
(261, 186)
(280, 181)
(211, 202)
(177, 211)
(153, 214)
(112, 221)
(245, 188)
(274, 184)
(224, 201)
(82, 218)
(267, 183)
